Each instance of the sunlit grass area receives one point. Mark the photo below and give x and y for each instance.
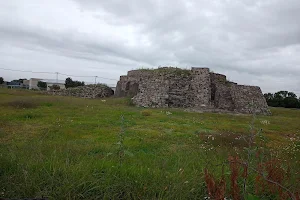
(71, 148)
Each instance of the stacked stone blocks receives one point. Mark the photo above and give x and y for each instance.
(197, 88)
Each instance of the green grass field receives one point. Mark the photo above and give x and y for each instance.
(70, 148)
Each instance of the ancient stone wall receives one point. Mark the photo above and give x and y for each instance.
(153, 85)
(200, 86)
(170, 86)
(179, 91)
(217, 78)
(222, 97)
(248, 99)
(128, 85)
(197, 88)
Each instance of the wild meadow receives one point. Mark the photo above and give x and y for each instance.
(70, 148)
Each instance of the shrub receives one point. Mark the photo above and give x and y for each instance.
(146, 112)
(42, 85)
(31, 116)
(129, 101)
(47, 104)
(54, 87)
(70, 83)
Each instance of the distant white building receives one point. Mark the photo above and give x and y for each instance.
(33, 83)
(25, 84)
(51, 82)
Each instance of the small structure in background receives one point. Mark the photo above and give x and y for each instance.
(3, 85)
(33, 83)
(25, 84)
(13, 84)
(20, 83)
(50, 83)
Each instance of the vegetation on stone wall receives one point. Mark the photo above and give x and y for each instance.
(168, 70)
(70, 83)
(54, 87)
(284, 99)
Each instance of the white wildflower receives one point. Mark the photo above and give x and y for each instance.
(168, 113)
(265, 122)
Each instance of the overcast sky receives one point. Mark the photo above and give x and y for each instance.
(253, 42)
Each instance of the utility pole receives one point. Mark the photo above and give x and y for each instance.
(96, 79)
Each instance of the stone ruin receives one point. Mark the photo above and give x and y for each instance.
(87, 91)
(196, 89)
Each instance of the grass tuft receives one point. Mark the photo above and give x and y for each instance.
(146, 113)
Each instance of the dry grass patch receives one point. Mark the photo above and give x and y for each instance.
(146, 112)
(22, 103)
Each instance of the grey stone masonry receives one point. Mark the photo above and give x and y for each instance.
(87, 91)
(197, 88)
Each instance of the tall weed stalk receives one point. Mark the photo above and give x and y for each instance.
(270, 175)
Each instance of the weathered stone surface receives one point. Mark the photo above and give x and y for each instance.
(197, 88)
(248, 98)
(87, 91)
(223, 98)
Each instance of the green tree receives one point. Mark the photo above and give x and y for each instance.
(1, 80)
(22, 79)
(291, 102)
(292, 94)
(70, 83)
(19, 80)
(42, 85)
(282, 99)
(269, 96)
(281, 94)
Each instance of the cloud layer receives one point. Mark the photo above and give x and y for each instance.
(255, 42)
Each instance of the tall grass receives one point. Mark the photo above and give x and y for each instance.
(270, 173)
(74, 148)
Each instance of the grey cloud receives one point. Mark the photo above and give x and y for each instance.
(251, 40)
(64, 44)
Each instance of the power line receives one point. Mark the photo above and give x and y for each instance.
(76, 76)
(89, 77)
(57, 74)
(15, 70)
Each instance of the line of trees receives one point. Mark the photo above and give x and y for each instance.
(69, 83)
(284, 99)
(16, 81)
